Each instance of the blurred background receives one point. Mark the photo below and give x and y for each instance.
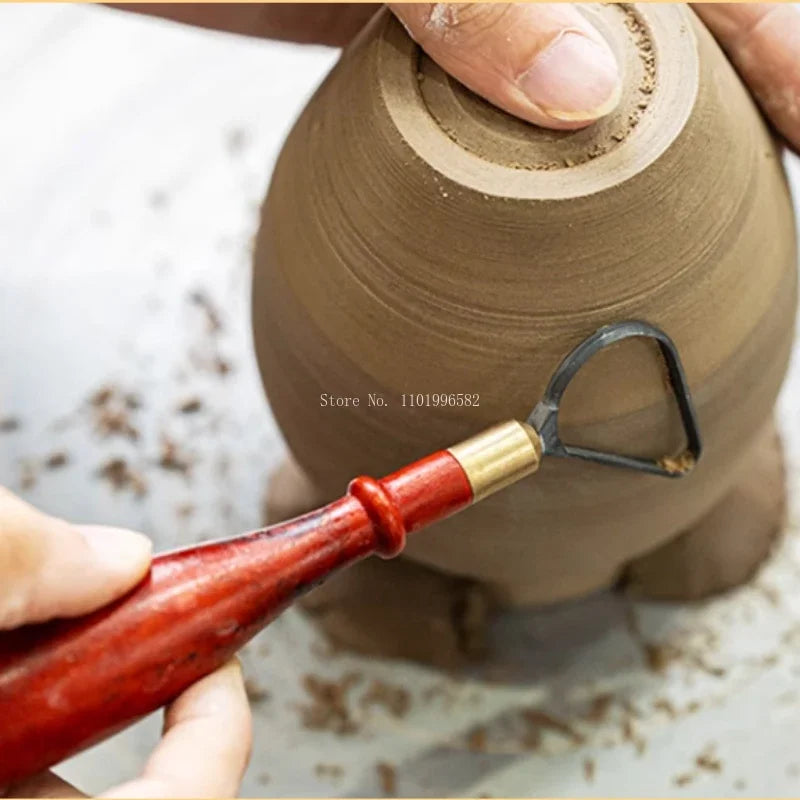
(134, 154)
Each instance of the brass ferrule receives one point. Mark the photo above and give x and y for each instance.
(498, 457)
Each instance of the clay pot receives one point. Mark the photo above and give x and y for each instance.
(416, 240)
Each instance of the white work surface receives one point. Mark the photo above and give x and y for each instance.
(133, 158)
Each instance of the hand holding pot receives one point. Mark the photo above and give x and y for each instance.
(542, 62)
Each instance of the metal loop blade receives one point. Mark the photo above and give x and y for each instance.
(544, 418)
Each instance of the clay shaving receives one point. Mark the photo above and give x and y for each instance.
(329, 707)
(678, 465)
(477, 740)
(537, 721)
(57, 460)
(122, 477)
(387, 775)
(191, 406)
(600, 706)
(213, 318)
(395, 699)
(172, 458)
(706, 761)
(111, 412)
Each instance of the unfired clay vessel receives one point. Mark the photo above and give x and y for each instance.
(417, 240)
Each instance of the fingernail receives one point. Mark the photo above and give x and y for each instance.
(574, 79)
(118, 549)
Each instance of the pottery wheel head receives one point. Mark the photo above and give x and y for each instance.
(478, 145)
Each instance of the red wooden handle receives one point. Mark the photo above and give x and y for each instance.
(67, 684)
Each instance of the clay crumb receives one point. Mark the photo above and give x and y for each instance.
(708, 760)
(666, 706)
(677, 465)
(57, 460)
(221, 366)
(387, 775)
(111, 423)
(599, 708)
(659, 656)
(171, 458)
(191, 406)
(477, 740)
(684, 779)
(255, 692)
(111, 409)
(537, 720)
(200, 298)
(329, 709)
(330, 771)
(630, 734)
(185, 510)
(264, 778)
(9, 424)
(102, 395)
(122, 477)
(395, 699)
(589, 768)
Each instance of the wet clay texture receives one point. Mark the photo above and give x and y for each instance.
(417, 240)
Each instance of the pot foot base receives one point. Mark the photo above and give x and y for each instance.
(399, 609)
(728, 545)
(391, 609)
